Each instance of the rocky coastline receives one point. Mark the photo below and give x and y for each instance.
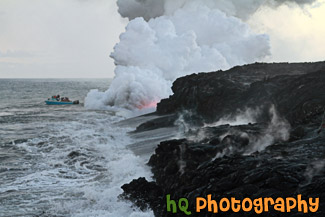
(251, 131)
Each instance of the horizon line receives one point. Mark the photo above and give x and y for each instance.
(56, 78)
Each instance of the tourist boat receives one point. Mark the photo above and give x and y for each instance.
(62, 101)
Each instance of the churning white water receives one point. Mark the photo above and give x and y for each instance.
(62, 161)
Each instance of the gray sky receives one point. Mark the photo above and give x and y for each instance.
(297, 35)
(73, 38)
(58, 38)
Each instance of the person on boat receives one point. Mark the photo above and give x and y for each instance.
(65, 99)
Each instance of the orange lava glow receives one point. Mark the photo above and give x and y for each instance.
(148, 105)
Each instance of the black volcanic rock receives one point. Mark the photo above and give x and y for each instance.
(250, 160)
(210, 96)
(144, 194)
(297, 97)
(184, 168)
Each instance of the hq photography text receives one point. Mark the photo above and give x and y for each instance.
(259, 205)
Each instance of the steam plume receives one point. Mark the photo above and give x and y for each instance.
(278, 130)
(166, 39)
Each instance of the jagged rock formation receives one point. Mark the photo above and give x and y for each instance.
(251, 160)
(215, 94)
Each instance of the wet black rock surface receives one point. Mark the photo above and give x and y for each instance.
(279, 155)
(213, 95)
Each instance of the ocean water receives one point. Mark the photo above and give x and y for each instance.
(63, 160)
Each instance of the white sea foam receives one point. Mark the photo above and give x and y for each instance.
(100, 198)
(6, 113)
(89, 182)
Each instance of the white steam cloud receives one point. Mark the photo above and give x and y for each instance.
(315, 168)
(244, 117)
(166, 39)
(278, 130)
